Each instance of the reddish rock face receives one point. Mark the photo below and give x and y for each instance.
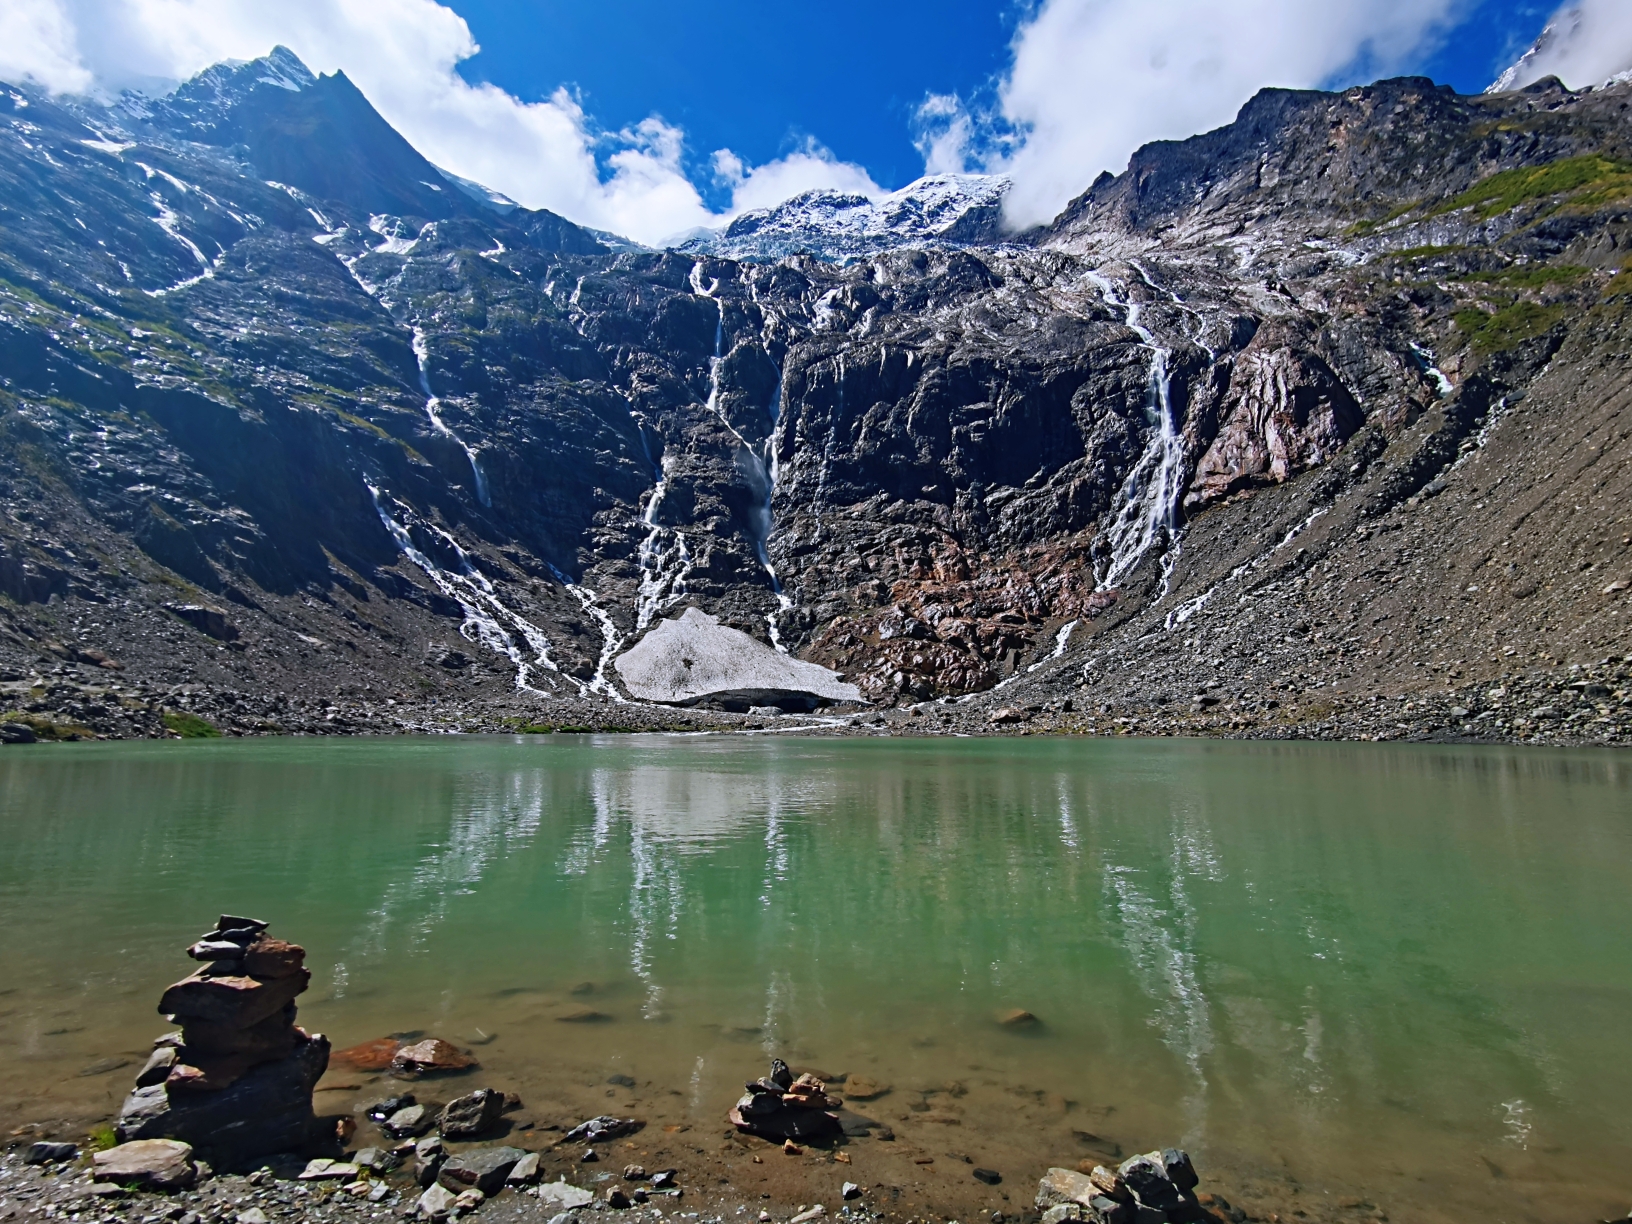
(373, 1055)
(1284, 413)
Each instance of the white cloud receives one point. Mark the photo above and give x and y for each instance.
(944, 132)
(809, 168)
(1586, 43)
(1092, 80)
(37, 44)
(402, 54)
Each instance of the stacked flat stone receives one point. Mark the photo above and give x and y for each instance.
(236, 1080)
(781, 1107)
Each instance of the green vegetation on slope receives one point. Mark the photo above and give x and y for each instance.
(190, 726)
(1509, 326)
(1585, 181)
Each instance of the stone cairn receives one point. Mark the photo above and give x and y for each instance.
(1156, 1188)
(236, 1081)
(784, 1108)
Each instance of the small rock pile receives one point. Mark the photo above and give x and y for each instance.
(784, 1108)
(1155, 1188)
(236, 1081)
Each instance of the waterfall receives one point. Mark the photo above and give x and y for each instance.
(758, 463)
(486, 615)
(611, 639)
(1148, 515)
(432, 409)
(663, 564)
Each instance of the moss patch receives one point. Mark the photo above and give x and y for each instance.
(1530, 276)
(1508, 327)
(1584, 182)
(190, 726)
(48, 729)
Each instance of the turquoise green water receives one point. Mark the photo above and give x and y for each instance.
(1401, 973)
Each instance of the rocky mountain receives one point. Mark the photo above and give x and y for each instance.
(941, 210)
(1309, 425)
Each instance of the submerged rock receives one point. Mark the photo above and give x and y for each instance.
(602, 1128)
(430, 1057)
(695, 659)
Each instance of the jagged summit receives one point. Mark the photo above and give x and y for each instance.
(1557, 47)
(939, 210)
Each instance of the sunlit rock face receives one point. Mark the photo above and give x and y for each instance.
(694, 659)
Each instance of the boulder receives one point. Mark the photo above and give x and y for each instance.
(469, 1200)
(432, 1056)
(49, 1153)
(1180, 1171)
(1060, 1186)
(437, 1202)
(268, 1110)
(486, 1169)
(1147, 1177)
(472, 1116)
(526, 1171)
(151, 1164)
(695, 659)
(409, 1122)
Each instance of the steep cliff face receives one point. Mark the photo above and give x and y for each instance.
(258, 356)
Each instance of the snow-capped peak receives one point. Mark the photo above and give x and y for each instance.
(1584, 44)
(938, 210)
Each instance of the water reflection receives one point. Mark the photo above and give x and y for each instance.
(1315, 955)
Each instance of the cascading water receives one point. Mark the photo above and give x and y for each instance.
(611, 639)
(432, 405)
(1148, 517)
(758, 463)
(486, 615)
(664, 558)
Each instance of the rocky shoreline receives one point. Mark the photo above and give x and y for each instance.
(1577, 705)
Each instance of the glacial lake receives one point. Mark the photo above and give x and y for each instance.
(1396, 977)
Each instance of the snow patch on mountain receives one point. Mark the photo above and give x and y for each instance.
(939, 210)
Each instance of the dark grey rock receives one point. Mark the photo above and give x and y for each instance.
(1147, 1178)
(484, 1168)
(409, 1122)
(49, 1153)
(17, 733)
(471, 1116)
(381, 1110)
(598, 1130)
(1180, 1171)
(990, 1176)
(268, 1110)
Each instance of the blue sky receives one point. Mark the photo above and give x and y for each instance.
(651, 118)
(760, 77)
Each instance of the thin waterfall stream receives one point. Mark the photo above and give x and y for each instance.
(1148, 517)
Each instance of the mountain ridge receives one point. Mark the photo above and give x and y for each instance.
(344, 451)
